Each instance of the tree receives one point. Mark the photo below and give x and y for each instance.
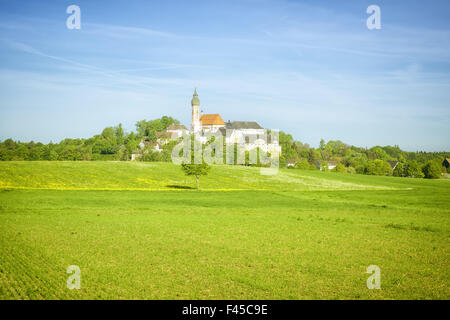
(335, 148)
(432, 170)
(150, 128)
(287, 146)
(109, 134)
(20, 152)
(399, 170)
(322, 144)
(120, 134)
(53, 155)
(378, 167)
(313, 156)
(196, 170)
(122, 154)
(141, 128)
(359, 163)
(380, 153)
(413, 170)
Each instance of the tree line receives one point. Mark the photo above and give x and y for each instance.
(115, 144)
(378, 160)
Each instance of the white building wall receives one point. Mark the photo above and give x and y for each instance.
(196, 125)
(178, 133)
(212, 128)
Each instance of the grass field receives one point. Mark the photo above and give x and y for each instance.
(137, 231)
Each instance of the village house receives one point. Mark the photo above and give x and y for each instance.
(177, 130)
(330, 165)
(144, 147)
(164, 137)
(446, 162)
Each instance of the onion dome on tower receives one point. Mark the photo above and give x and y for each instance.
(195, 100)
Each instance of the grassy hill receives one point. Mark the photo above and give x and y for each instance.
(167, 176)
(136, 230)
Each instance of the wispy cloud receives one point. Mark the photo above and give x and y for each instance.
(125, 32)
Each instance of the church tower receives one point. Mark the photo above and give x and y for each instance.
(196, 125)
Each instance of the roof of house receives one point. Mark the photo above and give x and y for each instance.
(149, 143)
(249, 137)
(243, 125)
(393, 164)
(222, 131)
(176, 127)
(163, 134)
(211, 119)
(166, 135)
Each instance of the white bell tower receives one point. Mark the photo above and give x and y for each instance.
(196, 125)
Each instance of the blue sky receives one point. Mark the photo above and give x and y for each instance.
(310, 68)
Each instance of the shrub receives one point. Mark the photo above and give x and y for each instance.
(351, 170)
(303, 165)
(340, 168)
(431, 170)
(151, 156)
(324, 166)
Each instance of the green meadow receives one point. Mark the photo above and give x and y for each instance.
(140, 231)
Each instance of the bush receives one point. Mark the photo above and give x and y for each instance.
(351, 170)
(151, 156)
(432, 170)
(340, 168)
(304, 165)
(324, 166)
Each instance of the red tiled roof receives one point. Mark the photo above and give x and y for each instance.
(211, 119)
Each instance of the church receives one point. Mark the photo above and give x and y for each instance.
(247, 133)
